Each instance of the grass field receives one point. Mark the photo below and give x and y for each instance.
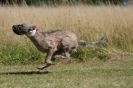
(88, 22)
(113, 69)
(92, 74)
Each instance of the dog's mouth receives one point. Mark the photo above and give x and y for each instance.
(17, 30)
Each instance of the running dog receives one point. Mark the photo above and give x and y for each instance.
(53, 43)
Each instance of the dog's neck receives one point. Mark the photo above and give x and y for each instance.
(37, 40)
(34, 35)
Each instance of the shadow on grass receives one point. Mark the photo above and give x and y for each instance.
(24, 73)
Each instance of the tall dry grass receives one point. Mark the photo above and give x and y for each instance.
(88, 22)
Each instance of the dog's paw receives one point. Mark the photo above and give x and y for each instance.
(41, 67)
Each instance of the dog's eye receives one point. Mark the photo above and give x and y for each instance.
(30, 30)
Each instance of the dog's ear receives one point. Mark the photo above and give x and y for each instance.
(22, 24)
(34, 27)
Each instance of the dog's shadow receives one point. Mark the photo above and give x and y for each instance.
(24, 72)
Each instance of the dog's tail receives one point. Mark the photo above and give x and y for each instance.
(95, 44)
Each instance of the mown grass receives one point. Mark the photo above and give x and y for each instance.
(88, 22)
(92, 74)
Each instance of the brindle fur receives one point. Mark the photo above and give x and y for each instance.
(55, 42)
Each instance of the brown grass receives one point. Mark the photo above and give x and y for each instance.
(88, 22)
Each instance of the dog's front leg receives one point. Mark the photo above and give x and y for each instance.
(48, 59)
(49, 56)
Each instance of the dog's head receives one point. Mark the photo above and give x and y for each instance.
(21, 29)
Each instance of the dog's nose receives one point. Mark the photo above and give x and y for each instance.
(13, 27)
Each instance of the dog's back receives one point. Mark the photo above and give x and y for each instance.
(61, 38)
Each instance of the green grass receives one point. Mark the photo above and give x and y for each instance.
(92, 74)
(16, 54)
(28, 54)
(87, 22)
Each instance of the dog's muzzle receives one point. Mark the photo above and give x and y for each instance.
(17, 30)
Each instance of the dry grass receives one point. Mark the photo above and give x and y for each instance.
(87, 21)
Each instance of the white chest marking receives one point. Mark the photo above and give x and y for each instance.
(31, 33)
